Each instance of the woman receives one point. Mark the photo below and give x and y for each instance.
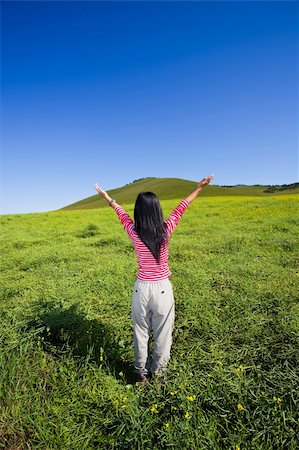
(153, 301)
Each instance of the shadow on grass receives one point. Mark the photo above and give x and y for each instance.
(69, 331)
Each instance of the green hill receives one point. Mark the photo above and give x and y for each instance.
(171, 188)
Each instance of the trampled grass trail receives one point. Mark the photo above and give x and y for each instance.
(67, 340)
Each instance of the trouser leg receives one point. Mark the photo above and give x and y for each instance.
(163, 323)
(148, 364)
(142, 320)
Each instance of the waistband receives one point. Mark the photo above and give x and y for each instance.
(152, 282)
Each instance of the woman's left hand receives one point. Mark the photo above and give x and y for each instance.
(205, 181)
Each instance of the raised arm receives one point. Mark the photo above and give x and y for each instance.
(177, 213)
(123, 216)
(105, 196)
(204, 182)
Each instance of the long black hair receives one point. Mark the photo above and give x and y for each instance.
(149, 222)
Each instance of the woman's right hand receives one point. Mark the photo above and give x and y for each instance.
(100, 191)
(205, 181)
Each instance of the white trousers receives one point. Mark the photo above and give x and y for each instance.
(152, 308)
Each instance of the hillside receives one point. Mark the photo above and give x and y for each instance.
(171, 188)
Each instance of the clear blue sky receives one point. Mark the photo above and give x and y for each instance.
(109, 92)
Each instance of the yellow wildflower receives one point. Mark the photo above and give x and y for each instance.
(239, 369)
(277, 399)
(237, 447)
(101, 353)
(121, 374)
(187, 416)
(191, 398)
(173, 393)
(173, 408)
(240, 407)
(167, 425)
(154, 408)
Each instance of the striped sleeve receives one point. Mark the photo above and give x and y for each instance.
(125, 219)
(175, 216)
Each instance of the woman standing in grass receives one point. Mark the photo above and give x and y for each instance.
(153, 301)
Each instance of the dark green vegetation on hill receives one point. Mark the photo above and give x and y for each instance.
(283, 187)
(66, 340)
(170, 188)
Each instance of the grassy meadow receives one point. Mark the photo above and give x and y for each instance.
(67, 339)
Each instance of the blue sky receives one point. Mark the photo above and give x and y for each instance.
(109, 92)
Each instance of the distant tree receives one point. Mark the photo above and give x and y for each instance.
(139, 179)
(229, 186)
(282, 187)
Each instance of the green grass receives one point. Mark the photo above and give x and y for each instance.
(172, 188)
(67, 352)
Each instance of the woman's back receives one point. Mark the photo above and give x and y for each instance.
(148, 267)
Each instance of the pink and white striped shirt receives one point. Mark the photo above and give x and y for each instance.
(148, 268)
